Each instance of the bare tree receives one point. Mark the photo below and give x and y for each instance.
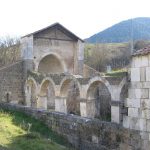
(9, 49)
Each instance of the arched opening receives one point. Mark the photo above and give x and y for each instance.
(31, 94)
(47, 96)
(51, 64)
(99, 101)
(70, 90)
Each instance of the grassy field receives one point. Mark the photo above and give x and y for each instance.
(21, 132)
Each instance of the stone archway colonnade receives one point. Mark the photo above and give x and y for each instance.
(50, 95)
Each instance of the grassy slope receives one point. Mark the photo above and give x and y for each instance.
(15, 134)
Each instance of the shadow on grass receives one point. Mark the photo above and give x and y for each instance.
(32, 142)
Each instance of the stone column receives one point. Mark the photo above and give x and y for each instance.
(42, 102)
(79, 58)
(83, 106)
(87, 108)
(61, 104)
(28, 96)
(115, 104)
(27, 54)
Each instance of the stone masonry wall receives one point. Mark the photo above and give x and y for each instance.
(85, 133)
(11, 83)
(138, 101)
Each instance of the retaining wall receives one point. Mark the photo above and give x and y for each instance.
(85, 133)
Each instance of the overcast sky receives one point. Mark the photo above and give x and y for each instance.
(82, 17)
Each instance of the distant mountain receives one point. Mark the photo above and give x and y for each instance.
(122, 32)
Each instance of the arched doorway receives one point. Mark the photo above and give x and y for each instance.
(31, 93)
(70, 90)
(47, 96)
(99, 101)
(51, 64)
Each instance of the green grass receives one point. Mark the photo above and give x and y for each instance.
(21, 132)
(117, 73)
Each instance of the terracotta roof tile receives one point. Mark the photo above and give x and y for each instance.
(143, 51)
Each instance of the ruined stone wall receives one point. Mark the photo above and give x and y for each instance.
(87, 134)
(11, 83)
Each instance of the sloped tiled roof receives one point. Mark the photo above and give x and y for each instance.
(143, 51)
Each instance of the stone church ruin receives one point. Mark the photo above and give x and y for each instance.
(51, 77)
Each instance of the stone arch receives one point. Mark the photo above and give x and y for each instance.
(47, 94)
(98, 97)
(51, 63)
(31, 92)
(123, 89)
(70, 89)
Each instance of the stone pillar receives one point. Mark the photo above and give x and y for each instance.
(27, 54)
(115, 104)
(83, 106)
(28, 96)
(61, 104)
(115, 111)
(42, 102)
(87, 108)
(79, 58)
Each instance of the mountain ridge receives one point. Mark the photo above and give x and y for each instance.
(122, 31)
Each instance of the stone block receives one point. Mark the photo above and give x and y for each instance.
(148, 125)
(60, 105)
(138, 124)
(142, 74)
(83, 109)
(145, 145)
(144, 61)
(137, 61)
(133, 112)
(13, 102)
(145, 93)
(94, 139)
(144, 135)
(147, 73)
(149, 60)
(132, 103)
(145, 84)
(145, 103)
(125, 146)
(90, 108)
(115, 114)
(138, 93)
(126, 121)
(135, 74)
(137, 85)
(145, 113)
(42, 102)
(133, 62)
